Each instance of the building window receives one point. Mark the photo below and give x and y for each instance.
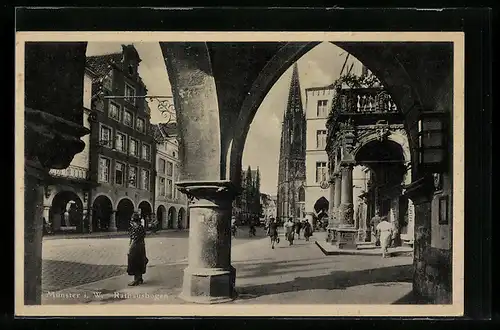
(119, 173)
(170, 169)
(169, 188)
(104, 164)
(322, 110)
(162, 186)
(105, 136)
(114, 111)
(144, 179)
(129, 94)
(128, 118)
(321, 139)
(132, 176)
(121, 142)
(146, 152)
(321, 171)
(108, 81)
(161, 166)
(141, 125)
(133, 147)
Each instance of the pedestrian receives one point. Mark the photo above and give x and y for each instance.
(374, 223)
(233, 226)
(298, 227)
(137, 260)
(252, 231)
(307, 230)
(385, 229)
(289, 233)
(273, 232)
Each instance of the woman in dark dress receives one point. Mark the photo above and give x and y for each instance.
(307, 230)
(137, 259)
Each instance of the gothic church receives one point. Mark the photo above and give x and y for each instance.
(292, 161)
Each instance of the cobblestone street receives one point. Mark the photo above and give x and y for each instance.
(68, 262)
(297, 274)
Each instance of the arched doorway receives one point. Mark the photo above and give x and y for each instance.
(67, 212)
(161, 214)
(171, 217)
(386, 162)
(124, 212)
(321, 210)
(101, 213)
(182, 219)
(145, 210)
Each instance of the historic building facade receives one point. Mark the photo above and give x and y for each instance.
(318, 106)
(121, 142)
(66, 191)
(247, 205)
(170, 204)
(365, 129)
(292, 159)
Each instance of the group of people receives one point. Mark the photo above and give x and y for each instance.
(291, 229)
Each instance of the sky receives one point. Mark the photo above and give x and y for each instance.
(319, 67)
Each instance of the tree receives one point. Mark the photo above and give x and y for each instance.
(248, 191)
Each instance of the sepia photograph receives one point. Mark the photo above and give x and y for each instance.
(242, 173)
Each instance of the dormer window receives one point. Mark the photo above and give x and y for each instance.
(131, 70)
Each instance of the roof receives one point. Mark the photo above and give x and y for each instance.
(101, 64)
(163, 131)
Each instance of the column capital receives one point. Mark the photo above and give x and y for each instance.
(211, 190)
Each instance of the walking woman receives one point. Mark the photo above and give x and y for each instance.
(273, 232)
(307, 230)
(137, 259)
(289, 232)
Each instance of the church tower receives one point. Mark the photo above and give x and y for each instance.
(292, 165)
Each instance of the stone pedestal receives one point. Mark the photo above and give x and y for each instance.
(345, 238)
(209, 277)
(112, 222)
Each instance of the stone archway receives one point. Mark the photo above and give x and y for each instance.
(124, 211)
(161, 216)
(102, 210)
(146, 212)
(182, 219)
(172, 218)
(66, 213)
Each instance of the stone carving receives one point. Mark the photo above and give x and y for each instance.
(346, 214)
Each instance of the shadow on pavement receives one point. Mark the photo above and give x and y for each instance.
(58, 275)
(337, 280)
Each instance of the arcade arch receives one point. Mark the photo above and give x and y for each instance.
(124, 210)
(172, 218)
(66, 212)
(161, 217)
(102, 210)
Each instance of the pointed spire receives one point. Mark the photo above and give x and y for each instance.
(294, 93)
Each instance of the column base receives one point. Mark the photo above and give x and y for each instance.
(113, 229)
(345, 238)
(208, 285)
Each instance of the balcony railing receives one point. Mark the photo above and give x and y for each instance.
(364, 100)
(72, 171)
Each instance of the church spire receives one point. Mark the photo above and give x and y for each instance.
(294, 94)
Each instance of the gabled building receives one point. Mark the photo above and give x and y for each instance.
(170, 204)
(122, 147)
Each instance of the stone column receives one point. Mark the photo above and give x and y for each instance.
(84, 219)
(112, 221)
(337, 197)
(48, 221)
(330, 212)
(33, 231)
(52, 129)
(346, 212)
(209, 277)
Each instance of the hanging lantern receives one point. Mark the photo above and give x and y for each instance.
(433, 141)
